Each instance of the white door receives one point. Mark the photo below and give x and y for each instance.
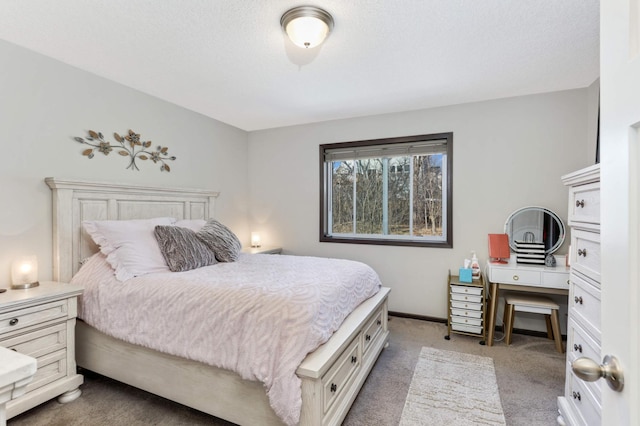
(620, 174)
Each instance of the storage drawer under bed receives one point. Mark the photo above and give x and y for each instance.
(336, 379)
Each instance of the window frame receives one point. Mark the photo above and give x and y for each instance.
(324, 192)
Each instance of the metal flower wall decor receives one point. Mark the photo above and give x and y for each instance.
(130, 146)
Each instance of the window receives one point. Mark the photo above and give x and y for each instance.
(395, 191)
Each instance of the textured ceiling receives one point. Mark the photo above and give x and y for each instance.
(229, 59)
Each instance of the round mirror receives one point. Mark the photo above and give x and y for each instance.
(535, 225)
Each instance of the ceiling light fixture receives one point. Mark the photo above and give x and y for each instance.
(307, 26)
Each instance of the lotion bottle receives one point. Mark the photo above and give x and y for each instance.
(475, 266)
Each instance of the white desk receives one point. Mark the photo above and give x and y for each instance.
(521, 277)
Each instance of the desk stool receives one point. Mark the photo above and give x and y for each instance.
(519, 302)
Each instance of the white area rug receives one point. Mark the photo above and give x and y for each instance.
(452, 388)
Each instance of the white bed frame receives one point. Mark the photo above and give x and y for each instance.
(331, 376)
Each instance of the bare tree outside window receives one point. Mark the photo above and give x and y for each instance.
(389, 191)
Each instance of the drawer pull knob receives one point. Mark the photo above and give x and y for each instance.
(516, 278)
(13, 321)
(582, 252)
(14, 349)
(334, 387)
(580, 203)
(576, 395)
(577, 348)
(378, 322)
(367, 337)
(578, 300)
(354, 359)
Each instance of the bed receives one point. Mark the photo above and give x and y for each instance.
(331, 376)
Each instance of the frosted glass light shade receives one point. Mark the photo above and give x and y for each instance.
(307, 26)
(24, 272)
(255, 239)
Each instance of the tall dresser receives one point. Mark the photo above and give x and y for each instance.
(581, 402)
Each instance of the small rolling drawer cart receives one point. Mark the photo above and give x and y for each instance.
(467, 305)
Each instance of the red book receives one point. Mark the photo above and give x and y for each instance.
(499, 251)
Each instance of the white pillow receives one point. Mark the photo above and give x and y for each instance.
(130, 246)
(194, 224)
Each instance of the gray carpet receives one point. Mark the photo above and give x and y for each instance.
(452, 388)
(530, 376)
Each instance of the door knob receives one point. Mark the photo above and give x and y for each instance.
(589, 370)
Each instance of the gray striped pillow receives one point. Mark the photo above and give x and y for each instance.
(181, 249)
(220, 240)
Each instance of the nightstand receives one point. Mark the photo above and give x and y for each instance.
(16, 371)
(40, 322)
(262, 250)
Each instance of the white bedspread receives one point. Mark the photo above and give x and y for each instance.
(259, 316)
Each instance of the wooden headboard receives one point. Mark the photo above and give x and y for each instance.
(76, 200)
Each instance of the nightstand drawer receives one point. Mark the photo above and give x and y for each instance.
(51, 367)
(39, 342)
(21, 318)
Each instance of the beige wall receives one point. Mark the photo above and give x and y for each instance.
(508, 153)
(45, 103)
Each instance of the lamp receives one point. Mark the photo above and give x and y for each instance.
(499, 251)
(307, 26)
(24, 272)
(255, 239)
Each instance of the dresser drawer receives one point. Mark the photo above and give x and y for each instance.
(468, 313)
(585, 253)
(460, 289)
(466, 305)
(21, 318)
(372, 330)
(466, 298)
(515, 276)
(584, 204)
(584, 304)
(336, 379)
(585, 405)
(580, 344)
(39, 342)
